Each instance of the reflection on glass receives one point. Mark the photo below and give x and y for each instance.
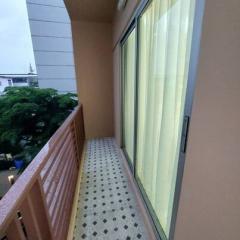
(129, 66)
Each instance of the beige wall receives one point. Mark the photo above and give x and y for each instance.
(210, 200)
(93, 60)
(117, 93)
(91, 10)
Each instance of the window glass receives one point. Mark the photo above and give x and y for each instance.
(129, 69)
(164, 53)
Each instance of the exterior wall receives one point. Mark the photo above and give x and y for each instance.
(3, 84)
(117, 93)
(52, 43)
(209, 203)
(121, 21)
(20, 84)
(93, 57)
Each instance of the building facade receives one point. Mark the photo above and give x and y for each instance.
(17, 80)
(4, 82)
(52, 44)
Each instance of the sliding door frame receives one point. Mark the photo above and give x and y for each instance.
(133, 24)
(191, 81)
(131, 28)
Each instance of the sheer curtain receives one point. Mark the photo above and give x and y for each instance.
(129, 71)
(164, 52)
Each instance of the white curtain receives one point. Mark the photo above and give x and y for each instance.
(129, 71)
(165, 43)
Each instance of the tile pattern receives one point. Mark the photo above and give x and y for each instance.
(107, 207)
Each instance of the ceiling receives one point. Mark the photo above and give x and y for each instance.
(91, 10)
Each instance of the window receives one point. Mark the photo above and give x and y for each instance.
(10, 82)
(164, 39)
(19, 80)
(129, 67)
(165, 43)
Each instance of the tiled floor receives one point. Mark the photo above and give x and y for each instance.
(107, 207)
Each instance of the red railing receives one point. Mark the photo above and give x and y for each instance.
(38, 206)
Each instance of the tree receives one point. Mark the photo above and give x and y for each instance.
(29, 117)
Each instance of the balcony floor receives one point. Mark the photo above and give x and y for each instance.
(107, 206)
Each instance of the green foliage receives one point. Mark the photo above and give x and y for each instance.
(29, 117)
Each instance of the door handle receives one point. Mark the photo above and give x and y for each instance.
(184, 137)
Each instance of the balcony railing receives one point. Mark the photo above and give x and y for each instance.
(38, 205)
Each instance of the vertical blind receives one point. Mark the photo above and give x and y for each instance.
(164, 52)
(129, 71)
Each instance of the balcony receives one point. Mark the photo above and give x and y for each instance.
(75, 189)
(155, 157)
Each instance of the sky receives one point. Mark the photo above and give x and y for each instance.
(16, 52)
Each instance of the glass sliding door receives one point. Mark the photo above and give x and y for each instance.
(128, 93)
(165, 36)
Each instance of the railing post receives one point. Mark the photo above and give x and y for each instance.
(15, 231)
(79, 135)
(81, 129)
(44, 208)
(76, 142)
(30, 220)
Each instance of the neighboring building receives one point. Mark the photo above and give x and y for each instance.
(17, 80)
(20, 82)
(52, 44)
(4, 82)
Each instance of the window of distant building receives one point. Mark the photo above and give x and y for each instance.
(19, 80)
(9, 82)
